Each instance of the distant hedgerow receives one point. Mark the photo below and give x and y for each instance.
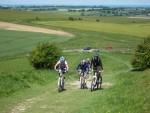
(141, 60)
(44, 56)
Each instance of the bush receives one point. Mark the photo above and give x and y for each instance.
(71, 18)
(44, 56)
(97, 20)
(141, 60)
(80, 18)
(37, 18)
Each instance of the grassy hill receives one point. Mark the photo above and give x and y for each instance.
(127, 29)
(16, 42)
(24, 89)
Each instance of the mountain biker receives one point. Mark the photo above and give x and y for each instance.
(62, 65)
(82, 69)
(96, 64)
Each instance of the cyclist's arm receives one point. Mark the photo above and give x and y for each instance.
(78, 67)
(55, 67)
(67, 67)
(101, 63)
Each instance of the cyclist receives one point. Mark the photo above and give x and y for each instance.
(96, 65)
(62, 65)
(82, 69)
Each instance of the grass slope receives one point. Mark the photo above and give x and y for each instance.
(126, 95)
(126, 29)
(16, 42)
(23, 89)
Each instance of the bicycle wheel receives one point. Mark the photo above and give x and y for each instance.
(59, 86)
(62, 83)
(92, 85)
(81, 84)
(100, 82)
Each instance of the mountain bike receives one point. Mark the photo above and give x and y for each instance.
(96, 82)
(82, 80)
(61, 80)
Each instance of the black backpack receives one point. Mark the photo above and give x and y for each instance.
(96, 61)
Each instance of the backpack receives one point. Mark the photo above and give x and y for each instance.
(96, 62)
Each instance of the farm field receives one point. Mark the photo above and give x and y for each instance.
(127, 29)
(26, 90)
(19, 42)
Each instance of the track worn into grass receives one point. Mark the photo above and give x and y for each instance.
(18, 27)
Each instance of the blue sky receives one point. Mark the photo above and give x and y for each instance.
(75, 2)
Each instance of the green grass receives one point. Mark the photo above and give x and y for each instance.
(128, 91)
(16, 42)
(126, 29)
(27, 16)
(101, 40)
(15, 65)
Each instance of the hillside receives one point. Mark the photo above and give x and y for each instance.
(26, 90)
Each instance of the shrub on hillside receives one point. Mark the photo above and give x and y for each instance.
(71, 18)
(80, 18)
(37, 18)
(97, 20)
(141, 60)
(44, 56)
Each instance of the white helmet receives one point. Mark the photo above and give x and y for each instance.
(62, 58)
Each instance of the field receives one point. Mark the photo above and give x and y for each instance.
(26, 90)
(18, 42)
(127, 29)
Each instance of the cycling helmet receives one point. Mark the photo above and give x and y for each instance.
(83, 61)
(62, 58)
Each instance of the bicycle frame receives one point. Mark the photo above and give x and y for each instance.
(95, 82)
(60, 81)
(82, 80)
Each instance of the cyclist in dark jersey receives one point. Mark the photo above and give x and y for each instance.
(96, 64)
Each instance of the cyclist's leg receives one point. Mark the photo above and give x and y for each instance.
(59, 81)
(81, 78)
(79, 74)
(98, 73)
(85, 77)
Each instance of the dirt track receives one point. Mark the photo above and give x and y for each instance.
(18, 27)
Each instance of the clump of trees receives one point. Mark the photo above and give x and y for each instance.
(97, 20)
(72, 18)
(141, 60)
(37, 18)
(44, 56)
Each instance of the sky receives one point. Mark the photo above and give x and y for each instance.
(74, 2)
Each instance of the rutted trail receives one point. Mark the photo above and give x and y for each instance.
(18, 27)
